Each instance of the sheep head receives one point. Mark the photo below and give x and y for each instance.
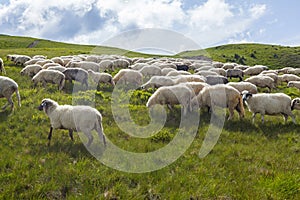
(295, 104)
(46, 104)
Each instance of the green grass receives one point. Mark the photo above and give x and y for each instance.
(250, 161)
(274, 56)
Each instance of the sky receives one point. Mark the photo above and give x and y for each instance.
(206, 22)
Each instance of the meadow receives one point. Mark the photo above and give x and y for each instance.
(249, 161)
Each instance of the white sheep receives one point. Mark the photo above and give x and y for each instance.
(58, 68)
(7, 88)
(268, 104)
(165, 71)
(288, 77)
(32, 61)
(49, 76)
(295, 84)
(39, 57)
(101, 77)
(21, 59)
(241, 86)
(2, 69)
(219, 71)
(216, 79)
(31, 70)
(255, 70)
(285, 70)
(47, 65)
(121, 64)
(223, 96)
(158, 81)
(58, 60)
(217, 64)
(106, 65)
(262, 81)
(172, 95)
(229, 66)
(73, 118)
(128, 76)
(241, 67)
(188, 78)
(178, 73)
(149, 71)
(84, 65)
(138, 66)
(195, 86)
(43, 62)
(167, 65)
(206, 73)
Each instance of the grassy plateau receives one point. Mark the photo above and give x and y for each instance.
(249, 161)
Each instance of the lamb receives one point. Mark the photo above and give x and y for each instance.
(73, 118)
(288, 77)
(241, 86)
(49, 76)
(7, 88)
(223, 96)
(149, 71)
(2, 69)
(269, 104)
(262, 81)
(84, 65)
(295, 84)
(216, 79)
(128, 76)
(255, 70)
(77, 74)
(158, 81)
(101, 77)
(235, 73)
(172, 95)
(31, 70)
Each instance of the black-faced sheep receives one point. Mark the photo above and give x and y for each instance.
(73, 118)
(269, 104)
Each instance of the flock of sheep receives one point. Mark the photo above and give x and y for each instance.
(189, 83)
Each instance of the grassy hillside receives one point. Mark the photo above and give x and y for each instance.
(250, 161)
(274, 56)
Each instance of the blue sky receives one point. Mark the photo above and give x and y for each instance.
(206, 22)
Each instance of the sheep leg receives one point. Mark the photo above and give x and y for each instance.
(253, 117)
(169, 106)
(262, 118)
(71, 134)
(50, 135)
(231, 113)
(90, 137)
(5, 106)
(101, 134)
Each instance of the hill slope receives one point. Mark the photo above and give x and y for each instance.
(274, 56)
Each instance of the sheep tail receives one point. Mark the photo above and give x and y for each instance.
(241, 107)
(18, 97)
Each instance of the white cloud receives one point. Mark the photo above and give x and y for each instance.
(94, 21)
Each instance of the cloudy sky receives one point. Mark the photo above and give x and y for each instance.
(206, 22)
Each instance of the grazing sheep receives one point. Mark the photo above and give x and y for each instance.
(84, 65)
(149, 71)
(49, 76)
(235, 73)
(216, 79)
(269, 104)
(106, 65)
(128, 76)
(223, 96)
(47, 65)
(271, 75)
(295, 84)
(294, 71)
(7, 88)
(229, 66)
(270, 72)
(241, 86)
(43, 62)
(21, 59)
(31, 70)
(121, 64)
(39, 57)
(2, 69)
(207, 73)
(255, 70)
(288, 77)
(172, 95)
(32, 61)
(188, 78)
(58, 68)
(138, 66)
(77, 74)
(178, 73)
(217, 64)
(241, 67)
(167, 65)
(73, 118)
(284, 70)
(219, 71)
(195, 86)
(158, 81)
(165, 71)
(101, 77)
(262, 81)
(58, 60)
